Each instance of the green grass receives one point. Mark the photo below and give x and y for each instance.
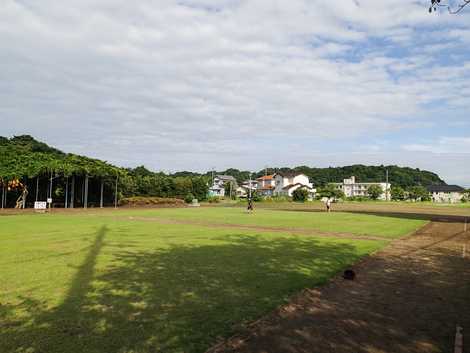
(95, 283)
(354, 223)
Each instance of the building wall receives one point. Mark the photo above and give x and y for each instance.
(447, 197)
(353, 189)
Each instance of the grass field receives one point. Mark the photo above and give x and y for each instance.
(157, 281)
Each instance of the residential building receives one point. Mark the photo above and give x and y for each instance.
(446, 193)
(265, 185)
(218, 185)
(244, 190)
(351, 188)
(285, 183)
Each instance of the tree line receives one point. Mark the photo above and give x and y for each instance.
(80, 181)
(77, 181)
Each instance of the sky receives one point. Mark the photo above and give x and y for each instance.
(203, 84)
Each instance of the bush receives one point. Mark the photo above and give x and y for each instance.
(141, 201)
(300, 195)
(213, 199)
(189, 198)
(359, 198)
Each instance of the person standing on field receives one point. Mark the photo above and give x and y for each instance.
(328, 205)
(250, 205)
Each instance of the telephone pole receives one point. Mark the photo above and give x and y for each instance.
(386, 186)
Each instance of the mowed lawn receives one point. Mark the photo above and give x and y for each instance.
(105, 283)
(341, 222)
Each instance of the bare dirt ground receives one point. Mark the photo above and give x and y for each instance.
(407, 298)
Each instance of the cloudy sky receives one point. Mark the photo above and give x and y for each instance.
(196, 84)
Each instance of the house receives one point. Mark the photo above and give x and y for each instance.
(285, 183)
(244, 190)
(218, 185)
(265, 185)
(351, 188)
(446, 193)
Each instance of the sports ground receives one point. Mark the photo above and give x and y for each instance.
(186, 279)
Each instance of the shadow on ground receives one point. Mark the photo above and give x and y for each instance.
(406, 299)
(179, 299)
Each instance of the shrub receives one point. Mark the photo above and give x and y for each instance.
(213, 199)
(141, 201)
(189, 198)
(300, 195)
(359, 198)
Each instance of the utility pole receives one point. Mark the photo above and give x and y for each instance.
(249, 188)
(72, 192)
(66, 192)
(101, 193)
(85, 196)
(50, 192)
(37, 187)
(116, 192)
(386, 186)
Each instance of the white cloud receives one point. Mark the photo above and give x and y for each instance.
(181, 84)
(442, 145)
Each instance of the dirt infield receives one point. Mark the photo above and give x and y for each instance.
(407, 298)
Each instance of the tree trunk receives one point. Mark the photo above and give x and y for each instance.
(101, 193)
(85, 197)
(3, 197)
(72, 192)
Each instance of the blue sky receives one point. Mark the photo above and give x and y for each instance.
(235, 83)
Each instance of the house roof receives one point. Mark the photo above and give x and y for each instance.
(266, 177)
(445, 188)
(225, 177)
(290, 186)
(290, 174)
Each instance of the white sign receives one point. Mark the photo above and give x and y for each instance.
(49, 200)
(40, 205)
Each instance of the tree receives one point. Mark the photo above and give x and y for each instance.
(331, 191)
(300, 195)
(374, 191)
(418, 193)
(397, 193)
(435, 4)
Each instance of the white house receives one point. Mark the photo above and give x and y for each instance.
(285, 183)
(218, 185)
(351, 188)
(446, 193)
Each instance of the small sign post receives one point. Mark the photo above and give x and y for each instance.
(40, 206)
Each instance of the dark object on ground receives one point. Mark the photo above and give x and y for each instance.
(349, 274)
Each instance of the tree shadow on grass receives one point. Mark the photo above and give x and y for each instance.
(179, 299)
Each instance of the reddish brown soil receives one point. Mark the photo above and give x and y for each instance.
(407, 298)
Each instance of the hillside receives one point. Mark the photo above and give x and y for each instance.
(24, 157)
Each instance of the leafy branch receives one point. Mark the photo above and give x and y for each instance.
(435, 4)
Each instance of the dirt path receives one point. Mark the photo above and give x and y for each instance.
(407, 298)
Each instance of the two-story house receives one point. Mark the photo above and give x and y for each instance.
(218, 185)
(446, 193)
(265, 185)
(285, 183)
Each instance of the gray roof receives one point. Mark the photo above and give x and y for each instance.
(226, 177)
(445, 188)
